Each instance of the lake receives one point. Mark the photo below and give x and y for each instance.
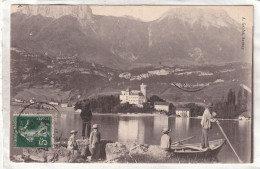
(147, 130)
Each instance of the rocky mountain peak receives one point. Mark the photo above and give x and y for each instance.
(56, 11)
(206, 17)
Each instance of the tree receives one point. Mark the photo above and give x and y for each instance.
(172, 109)
(77, 105)
(195, 110)
(230, 97)
(240, 104)
(233, 98)
(155, 98)
(239, 96)
(147, 108)
(230, 108)
(102, 104)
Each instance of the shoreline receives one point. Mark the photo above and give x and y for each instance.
(128, 114)
(154, 114)
(70, 110)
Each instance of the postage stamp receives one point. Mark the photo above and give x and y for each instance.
(33, 130)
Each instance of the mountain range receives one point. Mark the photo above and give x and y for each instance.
(186, 35)
(60, 52)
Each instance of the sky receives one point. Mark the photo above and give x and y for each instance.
(149, 13)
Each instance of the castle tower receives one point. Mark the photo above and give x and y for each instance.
(143, 90)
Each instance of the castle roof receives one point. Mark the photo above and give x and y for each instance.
(161, 103)
(136, 92)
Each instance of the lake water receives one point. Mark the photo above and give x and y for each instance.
(147, 130)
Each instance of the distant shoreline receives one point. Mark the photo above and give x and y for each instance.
(154, 114)
(130, 114)
(70, 110)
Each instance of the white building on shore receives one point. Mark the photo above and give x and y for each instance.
(137, 97)
(161, 106)
(183, 112)
(54, 103)
(64, 104)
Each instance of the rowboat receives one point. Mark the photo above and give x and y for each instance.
(193, 151)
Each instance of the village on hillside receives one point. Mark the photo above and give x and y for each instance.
(139, 102)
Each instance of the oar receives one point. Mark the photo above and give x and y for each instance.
(228, 142)
(185, 139)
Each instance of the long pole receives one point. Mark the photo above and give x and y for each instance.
(182, 140)
(229, 142)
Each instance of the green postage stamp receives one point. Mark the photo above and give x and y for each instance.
(33, 130)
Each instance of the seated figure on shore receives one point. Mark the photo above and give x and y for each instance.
(74, 153)
(94, 142)
(72, 144)
(166, 140)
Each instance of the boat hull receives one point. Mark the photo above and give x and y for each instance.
(194, 151)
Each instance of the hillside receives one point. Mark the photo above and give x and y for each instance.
(64, 78)
(33, 70)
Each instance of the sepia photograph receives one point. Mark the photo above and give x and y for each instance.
(131, 84)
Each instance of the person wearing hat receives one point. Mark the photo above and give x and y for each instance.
(72, 144)
(94, 142)
(207, 118)
(165, 140)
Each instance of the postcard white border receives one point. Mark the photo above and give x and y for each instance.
(5, 116)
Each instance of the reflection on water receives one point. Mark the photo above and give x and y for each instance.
(147, 130)
(244, 129)
(159, 123)
(182, 124)
(128, 131)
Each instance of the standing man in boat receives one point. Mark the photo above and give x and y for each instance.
(207, 118)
